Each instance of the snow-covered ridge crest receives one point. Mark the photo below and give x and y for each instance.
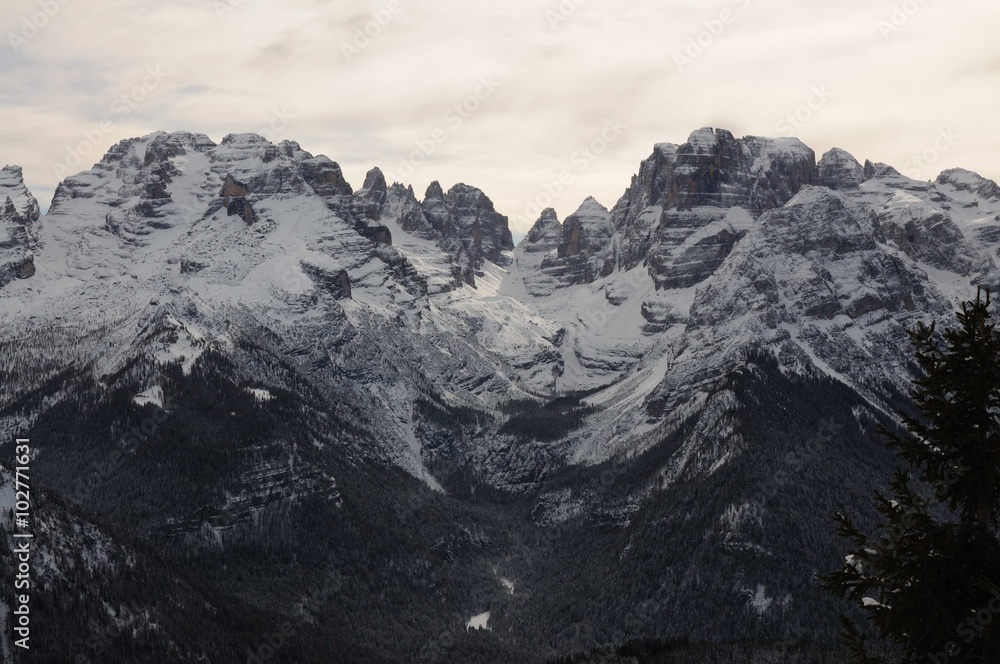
(719, 246)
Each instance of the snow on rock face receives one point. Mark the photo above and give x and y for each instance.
(260, 394)
(720, 252)
(967, 181)
(719, 246)
(60, 539)
(838, 169)
(480, 621)
(758, 602)
(815, 280)
(950, 227)
(19, 220)
(540, 247)
(578, 251)
(153, 395)
(370, 199)
(589, 228)
(803, 261)
(714, 169)
(467, 224)
(683, 213)
(321, 173)
(928, 235)
(683, 190)
(830, 282)
(463, 223)
(545, 235)
(148, 234)
(12, 187)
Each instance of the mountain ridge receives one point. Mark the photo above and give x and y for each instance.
(609, 396)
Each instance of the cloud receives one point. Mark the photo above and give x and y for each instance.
(366, 80)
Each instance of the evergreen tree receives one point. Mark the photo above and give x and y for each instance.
(929, 582)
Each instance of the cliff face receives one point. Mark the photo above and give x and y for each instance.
(577, 251)
(684, 211)
(19, 221)
(467, 225)
(690, 203)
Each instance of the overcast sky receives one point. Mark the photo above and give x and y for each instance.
(507, 96)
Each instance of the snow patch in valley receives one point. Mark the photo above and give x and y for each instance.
(260, 394)
(185, 350)
(480, 621)
(759, 602)
(153, 395)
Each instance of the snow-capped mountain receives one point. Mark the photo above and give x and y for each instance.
(336, 342)
(18, 226)
(578, 251)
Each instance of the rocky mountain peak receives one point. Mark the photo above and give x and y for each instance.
(293, 150)
(879, 170)
(467, 224)
(244, 140)
(434, 191)
(370, 199)
(714, 169)
(375, 180)
(548, 216)
(689, 204)
(705, 140)
(19, 226)
(466, 196)
(839, 170)
(325, 176)
(738, 294)
(589, 229)
(591, 205)
(971, 182)
(320, 172)
(545, 234)
(12, 187)
(577, 251)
